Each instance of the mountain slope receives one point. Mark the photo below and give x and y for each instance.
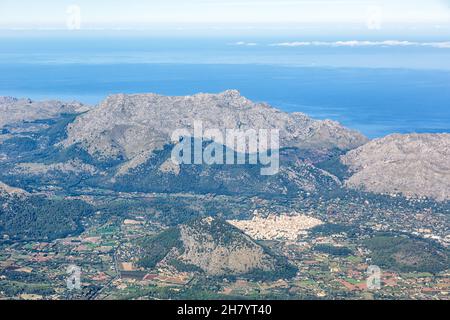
(15, 111)
(415, 165)
(159, 174)
(133, 126)
(24, 216)
(6, 190)
(214, 247)
(125, 143)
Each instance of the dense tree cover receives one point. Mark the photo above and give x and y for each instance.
(237, 179)
(31, 277)
(184, 267)
(333, 250)
(19, 145)
(328, 229)
(36, 144)
(40, 218)
(14, 288)
(57, 131)
(157, 247)
(334, 165)
(408, 254)
(282, 270)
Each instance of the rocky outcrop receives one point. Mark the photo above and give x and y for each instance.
(218, 254)
(215, 247)
(15, 111)
(415, 165)
(131, 131)
(130, 126)
(6, 190)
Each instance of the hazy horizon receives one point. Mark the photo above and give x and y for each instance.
(253, 17)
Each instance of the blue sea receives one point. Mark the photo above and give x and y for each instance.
(377, 90)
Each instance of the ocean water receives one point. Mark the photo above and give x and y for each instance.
(376, 90)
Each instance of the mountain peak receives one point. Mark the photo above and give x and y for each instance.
(415, 165)
(130, 125)
(231, 93)
(7, 99)
(215, 247)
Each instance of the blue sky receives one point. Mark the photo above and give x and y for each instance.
(256, 15)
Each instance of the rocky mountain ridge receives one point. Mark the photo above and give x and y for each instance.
(133, 132)
(14, 110)
(415, 165)
(133, 126)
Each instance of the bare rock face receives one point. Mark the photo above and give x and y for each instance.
(214, 247)
(131, 126)
(6, 190)
(218, 255)
(415, 165)
(15, 111)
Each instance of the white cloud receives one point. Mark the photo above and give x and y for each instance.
(442, 45)
(358, 43)
(243, 43)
